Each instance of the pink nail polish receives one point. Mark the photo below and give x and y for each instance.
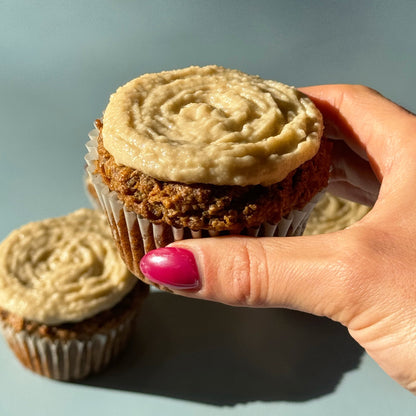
(172, 267)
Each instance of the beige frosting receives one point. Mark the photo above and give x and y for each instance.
(333, 214)
(62, 269)
(211, 125)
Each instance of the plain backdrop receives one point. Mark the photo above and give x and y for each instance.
(60, 61)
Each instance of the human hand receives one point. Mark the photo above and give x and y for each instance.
(364, 276)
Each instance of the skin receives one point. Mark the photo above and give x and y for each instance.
(363, 277)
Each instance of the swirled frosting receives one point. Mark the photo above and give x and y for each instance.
(62, 269)
(333, 214)
(211, 125)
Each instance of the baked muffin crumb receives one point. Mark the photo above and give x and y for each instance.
(214, 207)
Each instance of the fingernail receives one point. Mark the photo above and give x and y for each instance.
(172, 267)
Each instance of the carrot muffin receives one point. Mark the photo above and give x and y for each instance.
(332, 213)
(206, 151)
(67, 301)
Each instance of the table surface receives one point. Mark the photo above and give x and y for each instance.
(59, 63)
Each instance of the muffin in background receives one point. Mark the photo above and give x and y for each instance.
(206, 151)
(332, 213)
(67, 301)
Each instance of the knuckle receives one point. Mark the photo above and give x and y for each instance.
(249, 279)
(357, 259)
(351, 273)
(359, 89)
(353, 92)
(365, 89)
(362, 267)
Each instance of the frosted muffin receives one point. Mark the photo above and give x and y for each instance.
(67, 301)
(206, 151)
(332, 213)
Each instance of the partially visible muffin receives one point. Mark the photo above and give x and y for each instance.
(206, 151)
(67, 301)
(332, 213)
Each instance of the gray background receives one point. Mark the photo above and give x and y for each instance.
(59, 62)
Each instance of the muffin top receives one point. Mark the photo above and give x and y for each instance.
(61, 270)
(211, 125)
(333, 214)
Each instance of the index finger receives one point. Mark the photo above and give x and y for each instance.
(373, 126)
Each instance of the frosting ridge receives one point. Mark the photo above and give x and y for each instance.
(211, 125)
(332, 213)
(64, 269)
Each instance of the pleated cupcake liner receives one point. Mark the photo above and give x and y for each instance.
(90, 194)
(68, 359)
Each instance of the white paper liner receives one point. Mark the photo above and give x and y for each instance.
(125, 222)
(70, 359)
(92, 200)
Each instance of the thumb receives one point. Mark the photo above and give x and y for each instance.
(303, 273)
